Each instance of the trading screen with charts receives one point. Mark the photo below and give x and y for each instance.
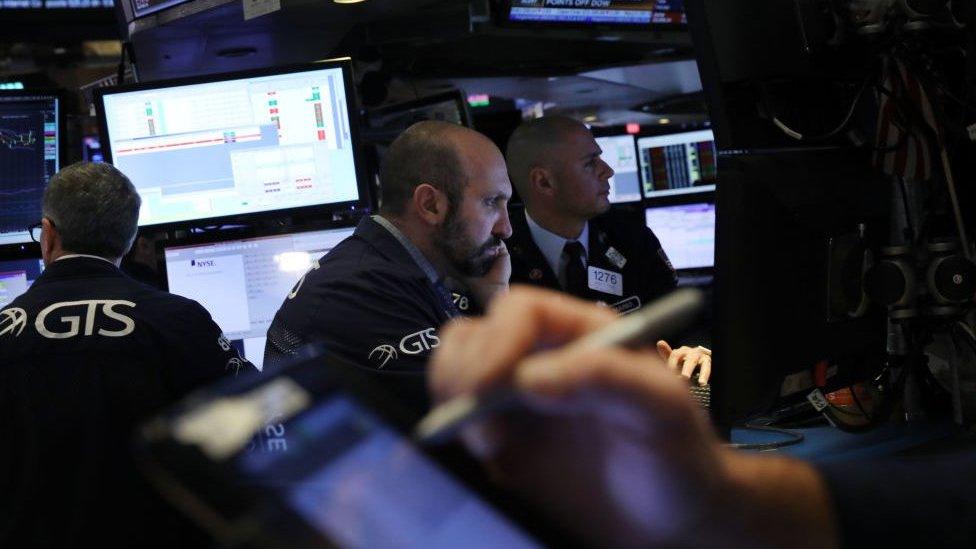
(29, 151)
(16, 276)
(678, 163)
(234, 147)
(620, 154)
(243, 282)
(686, 232)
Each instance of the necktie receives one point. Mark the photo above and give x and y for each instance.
(575, 269)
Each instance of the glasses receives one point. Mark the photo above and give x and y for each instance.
(35, 232)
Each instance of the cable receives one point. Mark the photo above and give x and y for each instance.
(908, 215)
(794, 438)
(850, 114)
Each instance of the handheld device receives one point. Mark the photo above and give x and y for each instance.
(318, 455)
(646, 326)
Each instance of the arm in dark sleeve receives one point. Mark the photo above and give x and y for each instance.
(662, 276)
(200, 353)
(918, 502)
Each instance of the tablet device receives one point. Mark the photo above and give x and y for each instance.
(318, 455)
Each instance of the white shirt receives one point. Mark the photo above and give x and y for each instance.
(551, 245)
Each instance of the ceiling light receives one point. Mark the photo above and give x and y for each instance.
(664, 121)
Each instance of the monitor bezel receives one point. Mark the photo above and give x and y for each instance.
(352, 104)
(61, 96)
(504, 19)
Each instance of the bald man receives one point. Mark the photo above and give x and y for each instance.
(567, 238)
(379, 297)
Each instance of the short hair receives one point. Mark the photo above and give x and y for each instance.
(531, 144)
(424, 153)
(94, 207)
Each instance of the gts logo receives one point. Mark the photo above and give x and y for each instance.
(83, 321)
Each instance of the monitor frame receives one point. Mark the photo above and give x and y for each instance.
(352, 104)
(61, 95)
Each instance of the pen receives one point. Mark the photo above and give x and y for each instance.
(645, 326)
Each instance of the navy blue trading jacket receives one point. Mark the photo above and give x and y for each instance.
(368, 302)
(86, 354)
(647, 273)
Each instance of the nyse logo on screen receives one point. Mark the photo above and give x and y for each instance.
(203, 263)
(72, 318)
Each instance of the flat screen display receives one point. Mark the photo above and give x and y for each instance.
(16, 276)
(621, 154)
(598, 12)
(238, 145)
(686, 232)
(677, 163)
(242, 283)
(30, 145)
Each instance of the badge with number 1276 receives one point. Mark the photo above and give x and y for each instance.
(605, 281)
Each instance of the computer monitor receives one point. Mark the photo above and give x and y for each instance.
(31, 134)
(221, 148)
(16, 276)
(242, 282)
(636, 13)
(620, 153)
(677, 163)
(451, 106)
(686, 232)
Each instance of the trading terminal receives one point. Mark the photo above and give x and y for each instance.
(807, 168)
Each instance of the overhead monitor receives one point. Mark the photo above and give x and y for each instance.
(637, 13)
(677, 163)
(620, 153)
(451, 106)
(686, 232)
(31, 127)
(243, 282)
(223, 147)
(16, 276)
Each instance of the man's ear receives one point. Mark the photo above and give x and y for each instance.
(541, 181)
(430, 203)
(50, 239)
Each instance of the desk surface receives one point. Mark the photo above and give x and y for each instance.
(828, 444)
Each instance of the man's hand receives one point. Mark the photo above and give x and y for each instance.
(608, 444)
(494, 282)
(685, 360)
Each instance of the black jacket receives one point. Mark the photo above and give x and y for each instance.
(85, 355)
(368, 302)
(647, 273)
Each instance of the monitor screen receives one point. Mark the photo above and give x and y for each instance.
(678, 163)
(608, 12)
(16, 275)
(686, 232)
(231, 145)
(30, 145)
(619, 152)
(243, 282)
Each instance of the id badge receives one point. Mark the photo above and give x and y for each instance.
(605, 281)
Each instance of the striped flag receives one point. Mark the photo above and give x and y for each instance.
(910, 137)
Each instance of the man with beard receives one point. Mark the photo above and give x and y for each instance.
(378, 298)
(568, 238)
